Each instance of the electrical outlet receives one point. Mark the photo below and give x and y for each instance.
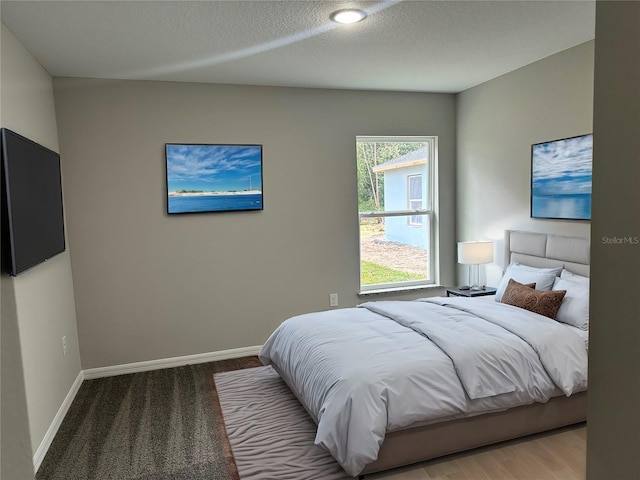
(64, 345)
(333, 299)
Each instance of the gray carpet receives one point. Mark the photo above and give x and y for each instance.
(163, 424)
(270, 433)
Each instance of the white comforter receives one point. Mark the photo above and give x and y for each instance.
(364, 371)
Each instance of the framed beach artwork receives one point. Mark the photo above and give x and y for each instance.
(561, 178)
(213, 178)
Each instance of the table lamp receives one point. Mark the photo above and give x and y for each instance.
(473, 254)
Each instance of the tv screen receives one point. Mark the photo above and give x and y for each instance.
(213, 178)
(561, 178)
(32, 215)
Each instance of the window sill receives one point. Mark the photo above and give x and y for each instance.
(392, 290)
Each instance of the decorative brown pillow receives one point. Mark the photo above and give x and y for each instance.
(523, 296)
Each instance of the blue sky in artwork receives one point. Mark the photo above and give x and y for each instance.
(214, 168)
(563, 167)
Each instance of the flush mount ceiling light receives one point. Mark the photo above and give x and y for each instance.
(350, 15)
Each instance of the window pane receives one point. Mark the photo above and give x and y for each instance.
(395, 198)
(383, 170)
(393, 251)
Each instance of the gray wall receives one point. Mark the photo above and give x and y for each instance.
(498, 122)
(613, 445)
(149, 286)
(38, 308)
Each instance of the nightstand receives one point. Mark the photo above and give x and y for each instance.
(454, 291)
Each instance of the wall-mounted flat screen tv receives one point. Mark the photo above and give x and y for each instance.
(213, 178)
(32, 214)
(561, 178)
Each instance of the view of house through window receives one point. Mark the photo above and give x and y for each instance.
(395, 208)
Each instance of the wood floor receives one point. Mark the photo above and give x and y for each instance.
(558, 455)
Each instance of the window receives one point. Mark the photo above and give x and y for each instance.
(396, 198)
(414, 201)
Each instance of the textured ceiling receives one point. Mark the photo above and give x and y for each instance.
(435, 46)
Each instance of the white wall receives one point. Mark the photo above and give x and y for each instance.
(44, 300)
(497, 122)
(613, 444)
(151, 286)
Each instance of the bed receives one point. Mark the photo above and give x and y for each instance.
(395, 383)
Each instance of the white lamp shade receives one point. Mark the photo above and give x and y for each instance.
(475, 253)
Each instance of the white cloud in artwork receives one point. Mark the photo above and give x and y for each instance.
(563, 166)
(213, 167)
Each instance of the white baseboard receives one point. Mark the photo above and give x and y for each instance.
(130, 368)
(170, 362)
(38, 456)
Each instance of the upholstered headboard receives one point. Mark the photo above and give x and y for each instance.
(547, 250)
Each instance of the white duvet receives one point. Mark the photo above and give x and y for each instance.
(386, 365)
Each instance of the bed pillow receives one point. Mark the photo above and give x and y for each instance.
(575, 306)
(574, 277)
(542, 277)
(536, 301)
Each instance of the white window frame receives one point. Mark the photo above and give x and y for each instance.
(429, 212)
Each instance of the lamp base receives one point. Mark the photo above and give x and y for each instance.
(464, 287)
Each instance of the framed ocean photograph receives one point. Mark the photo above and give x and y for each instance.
(213, 178)
(561, 178)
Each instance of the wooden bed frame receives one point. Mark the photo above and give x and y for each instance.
(417, 444)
